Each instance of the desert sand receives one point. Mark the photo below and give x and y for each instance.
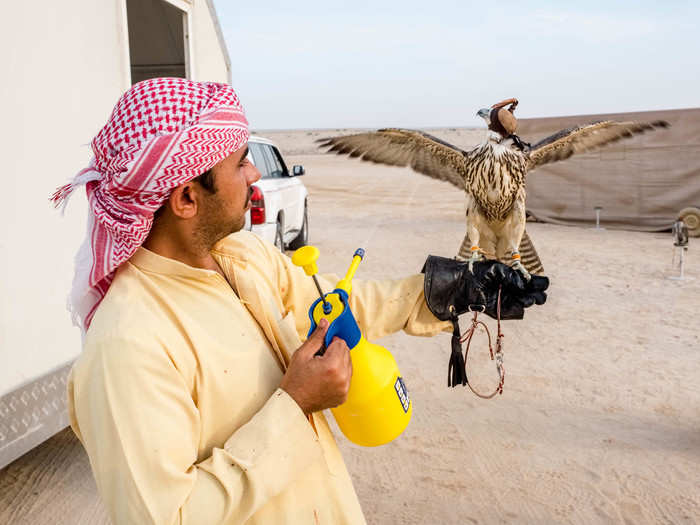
(599, 421)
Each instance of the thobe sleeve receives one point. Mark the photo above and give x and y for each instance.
(380, 307)
(136, 417)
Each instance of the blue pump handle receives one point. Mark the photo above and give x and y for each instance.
(343, 326)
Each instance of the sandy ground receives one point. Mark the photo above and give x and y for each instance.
(599, 421)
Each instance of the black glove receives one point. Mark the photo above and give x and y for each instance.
(450, 288)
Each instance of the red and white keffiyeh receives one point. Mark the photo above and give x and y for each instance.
(163, 132)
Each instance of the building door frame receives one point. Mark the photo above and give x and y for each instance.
(187, 8)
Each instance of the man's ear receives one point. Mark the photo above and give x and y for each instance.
(184, 200)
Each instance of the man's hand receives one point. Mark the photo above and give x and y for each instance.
(451, 288)
(516, 293)
(319, 382)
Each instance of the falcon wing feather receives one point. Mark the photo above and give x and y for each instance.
(579, 139)
(402, 147)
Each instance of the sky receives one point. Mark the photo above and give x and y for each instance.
(401, 63)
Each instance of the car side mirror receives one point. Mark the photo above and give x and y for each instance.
(298, 170)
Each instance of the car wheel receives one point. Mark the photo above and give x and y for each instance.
(303, 238)
(691, 217)
(279, 240)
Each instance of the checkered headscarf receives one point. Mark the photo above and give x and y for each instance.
(162, 133)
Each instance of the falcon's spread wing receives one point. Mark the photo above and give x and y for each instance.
(578, 139)
(402, 147)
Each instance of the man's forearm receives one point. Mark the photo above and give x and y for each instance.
(385, 307)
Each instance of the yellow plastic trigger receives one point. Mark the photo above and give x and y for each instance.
(337, 308)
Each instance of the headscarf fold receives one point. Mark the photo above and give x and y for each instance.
(163, 132)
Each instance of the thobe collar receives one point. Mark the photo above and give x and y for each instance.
(150, 261)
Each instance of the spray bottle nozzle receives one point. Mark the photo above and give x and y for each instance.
(346, 282)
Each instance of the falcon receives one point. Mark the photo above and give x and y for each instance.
(492, 174)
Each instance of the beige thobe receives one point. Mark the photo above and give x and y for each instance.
(176, 395)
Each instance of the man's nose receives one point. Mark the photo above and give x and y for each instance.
(253, 175)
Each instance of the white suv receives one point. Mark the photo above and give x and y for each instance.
(279, 205)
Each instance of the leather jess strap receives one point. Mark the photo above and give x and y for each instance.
(457, 371)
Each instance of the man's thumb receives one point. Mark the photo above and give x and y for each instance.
(315, 340)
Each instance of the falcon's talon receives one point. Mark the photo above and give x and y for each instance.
(517, 265)
(476, 257)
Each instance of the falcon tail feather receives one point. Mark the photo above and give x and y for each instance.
(528, 256)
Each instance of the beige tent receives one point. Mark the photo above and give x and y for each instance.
(640, 183)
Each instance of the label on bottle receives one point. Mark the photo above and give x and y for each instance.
(402, 392)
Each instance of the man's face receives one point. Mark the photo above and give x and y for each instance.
(223, 212)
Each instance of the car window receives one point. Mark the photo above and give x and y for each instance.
(260, 159)
(273, 162)
(278, 158)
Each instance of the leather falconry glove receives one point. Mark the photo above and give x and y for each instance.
(451, 289)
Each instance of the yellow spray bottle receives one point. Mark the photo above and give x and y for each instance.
(378, 407)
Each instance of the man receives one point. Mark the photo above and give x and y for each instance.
(195, 398)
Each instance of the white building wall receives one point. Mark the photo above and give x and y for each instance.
(65, 64)
(210, 58)
(64, 67)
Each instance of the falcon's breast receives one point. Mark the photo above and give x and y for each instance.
(495, 178)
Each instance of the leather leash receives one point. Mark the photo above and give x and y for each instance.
(498, 355)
